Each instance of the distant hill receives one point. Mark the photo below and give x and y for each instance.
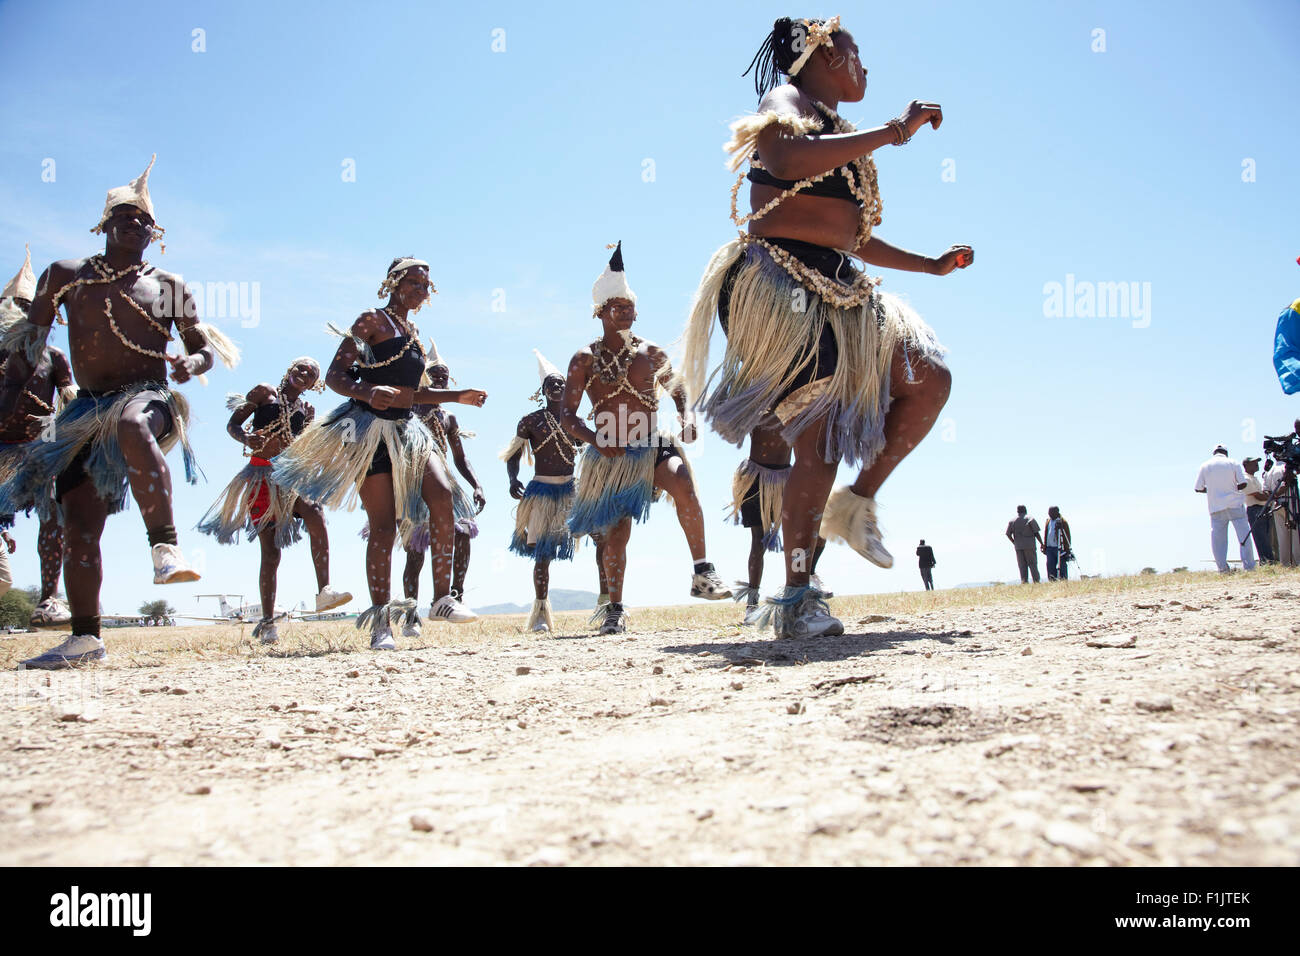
(561, 600)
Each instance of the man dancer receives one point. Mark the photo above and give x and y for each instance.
(1056, 545)
(925, 558)
(1023, 533)
(628, 461)
(541, 520)
(116, 432)
(1223, 482)
(47, 390)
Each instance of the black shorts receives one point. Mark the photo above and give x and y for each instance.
(75, 474)
(829, 263)
(381, 463)
(750, 516)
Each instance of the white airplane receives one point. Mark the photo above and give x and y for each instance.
(252, 612)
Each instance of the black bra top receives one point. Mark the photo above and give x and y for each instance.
(404, 373)
(834, 186)
(263, 415)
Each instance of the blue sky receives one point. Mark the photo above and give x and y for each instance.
(511, 170)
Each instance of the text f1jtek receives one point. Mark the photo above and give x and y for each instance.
(1209, 898)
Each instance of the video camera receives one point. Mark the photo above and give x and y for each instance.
(1284, 448)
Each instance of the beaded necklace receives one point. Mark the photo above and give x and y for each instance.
(864, 187)
(412, 340)
(281, 429)
(104, 274)
(563, 443)
(438, 430)
(40, 402)
(612, 370)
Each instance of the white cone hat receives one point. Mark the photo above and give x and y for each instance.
(612, 283)
(545, 369)
(23, 285)
(135, 193)
(433, 358)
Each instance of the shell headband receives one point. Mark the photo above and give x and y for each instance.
(811, 36)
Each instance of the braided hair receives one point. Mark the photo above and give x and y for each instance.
(777, 54)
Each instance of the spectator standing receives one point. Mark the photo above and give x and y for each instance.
(1256, 498)
(1223, 482)
(1056, 545)
(1288, 539)
(1024, 534)
(925, 556)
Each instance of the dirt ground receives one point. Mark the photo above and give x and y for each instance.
(1127, 722)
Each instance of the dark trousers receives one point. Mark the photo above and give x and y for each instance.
(927, 575)
(1056, 564)
(1027, 559)
(1259, 530)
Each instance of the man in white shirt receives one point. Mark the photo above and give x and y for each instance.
(1256, 497)
(1223, 482)
(1288, 539)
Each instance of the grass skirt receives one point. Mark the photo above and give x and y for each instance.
(769, 343)
(771, 493)
(231, 513)
(11, 460)
(541, 522)
(611, 489)
(329, 460)
(92, 421)
(415, 535)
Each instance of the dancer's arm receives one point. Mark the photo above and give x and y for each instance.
(790, 156)
(462, 463)
(575, 385)
(877, 252)
(200, 355)
(257, 395)
(455, 396)
(512, 463)
(676, 391)
(339, 377)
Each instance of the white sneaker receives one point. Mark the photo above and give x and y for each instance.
(329, 599)
(816, 582)
(709, 586)
(381, 639)
(448, 610)
(411, 628)
(615, 620)
(52, 612)
(806, 616)
(752, 613)
(266, 632)
(82, 649)
(169, 566)
(853, 520)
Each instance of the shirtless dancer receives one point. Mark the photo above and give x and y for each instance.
(49, 387)
(126, 320)
(541, 520)
(628, 460)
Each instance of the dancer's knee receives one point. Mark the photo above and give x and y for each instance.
(133, 431)
(383, 532)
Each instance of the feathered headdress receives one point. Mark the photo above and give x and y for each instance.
(612, 283)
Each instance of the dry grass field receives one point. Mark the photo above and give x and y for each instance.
(1124, 721)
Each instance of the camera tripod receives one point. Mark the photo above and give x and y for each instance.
(1284, 498)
